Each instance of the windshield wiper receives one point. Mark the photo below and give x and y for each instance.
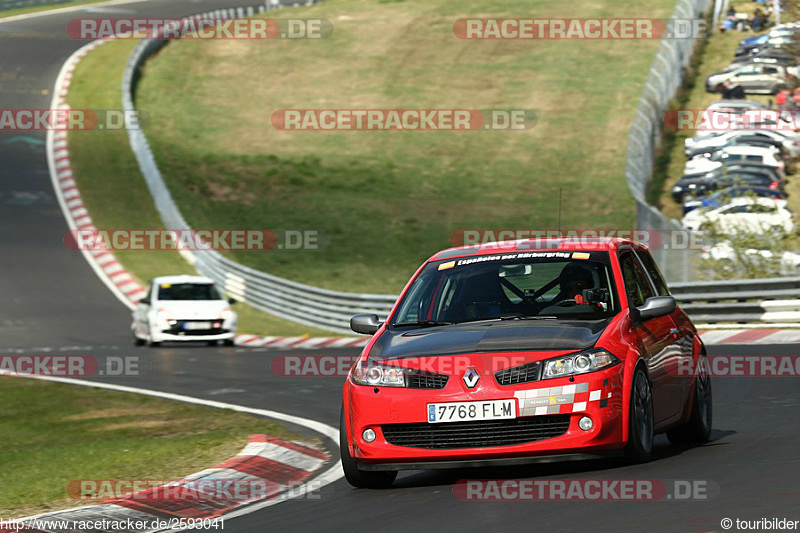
(528, 317)
(422, 323)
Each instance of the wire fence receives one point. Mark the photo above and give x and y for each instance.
(663, 81)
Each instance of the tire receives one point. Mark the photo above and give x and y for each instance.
(697, 429)
(138, 342)
(154, 344)
(360, 478)
(212, 343)
(640, 419)
(229, 342)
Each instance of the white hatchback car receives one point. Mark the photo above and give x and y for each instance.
(755, 216)
(183, 308)
(731, 154)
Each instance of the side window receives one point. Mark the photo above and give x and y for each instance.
(636, 284)
(655, 274)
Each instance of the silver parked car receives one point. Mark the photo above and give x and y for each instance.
(754, 78)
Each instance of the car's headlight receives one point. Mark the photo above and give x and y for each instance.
(226, 314)
(578, 363)
(162, 315)
(379, 376)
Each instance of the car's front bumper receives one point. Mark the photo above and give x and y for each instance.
(169, 337)
(598, 395)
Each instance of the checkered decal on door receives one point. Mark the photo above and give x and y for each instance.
(560, 400)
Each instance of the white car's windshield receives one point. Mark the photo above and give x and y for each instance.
(572, 285)
(188, 291)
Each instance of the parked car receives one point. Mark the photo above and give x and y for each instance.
(771, 42)
(780, 55)
(713, 181)
(721, 197)
(756, 216)
(753, 78)
(731, 154)
(506, 354)
(789, 144)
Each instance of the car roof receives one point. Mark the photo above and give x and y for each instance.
(182, 278)
(563, 244)
(745, 149)
(745, 200)
(737, 103)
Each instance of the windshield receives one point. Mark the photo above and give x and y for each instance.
(529, 285)
(188, 291)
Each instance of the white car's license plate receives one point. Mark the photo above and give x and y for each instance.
(197, 325)
(469, 411)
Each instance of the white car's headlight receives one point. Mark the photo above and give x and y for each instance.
(162, 315)
(227, 314)
(379, 376)
(578, 363)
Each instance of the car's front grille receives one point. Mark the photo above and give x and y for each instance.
(426, 381)
(483, 433)
(519, 374)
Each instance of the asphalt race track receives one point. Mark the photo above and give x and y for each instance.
(53, 302)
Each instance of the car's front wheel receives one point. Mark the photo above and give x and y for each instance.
(698, 428)
(360, 478)
(640, 419)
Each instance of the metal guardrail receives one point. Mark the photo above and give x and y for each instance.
(748, 301)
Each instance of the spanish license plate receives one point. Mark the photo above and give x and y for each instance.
(197, 325)
(471, 411)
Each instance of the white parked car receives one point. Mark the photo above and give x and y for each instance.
(183, 308)
(756, 216)
(740, 154)
(723, 252)
(789, 140)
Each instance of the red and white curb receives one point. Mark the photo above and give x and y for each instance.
(301, 343)
(111, 271)
(277, 464)
(104, 263)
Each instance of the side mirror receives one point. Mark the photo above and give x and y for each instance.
(653, 307)
(231, 301)
(145, 300)
(366, 323)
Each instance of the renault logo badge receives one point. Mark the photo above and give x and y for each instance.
(471, 378)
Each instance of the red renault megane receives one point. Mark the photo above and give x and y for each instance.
(524, 351)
